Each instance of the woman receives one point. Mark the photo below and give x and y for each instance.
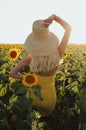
(44, 55)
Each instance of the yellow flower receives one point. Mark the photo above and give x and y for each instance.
(1, 48)
(30, 80)
(70, 54)
(70, 48)
(37, 115)
(13, 54)
(65, 54)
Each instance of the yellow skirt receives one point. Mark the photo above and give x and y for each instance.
(48, 93)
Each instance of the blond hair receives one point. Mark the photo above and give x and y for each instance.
(45, 63)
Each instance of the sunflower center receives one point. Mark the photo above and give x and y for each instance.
(30, 79)
(13, 54)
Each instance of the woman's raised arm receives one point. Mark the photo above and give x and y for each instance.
(67, 28)
(64, 41)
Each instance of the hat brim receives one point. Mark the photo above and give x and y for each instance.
(41, 47)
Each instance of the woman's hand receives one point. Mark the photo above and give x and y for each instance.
(58, 19)
(52, 17)
(15, 72)
(48, 21)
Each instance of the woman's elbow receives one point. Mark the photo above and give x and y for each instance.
(11, 74)
(69, 28)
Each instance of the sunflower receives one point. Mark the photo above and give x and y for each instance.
(1, 48)
(13, 54)
(30, 80)
(70, 54)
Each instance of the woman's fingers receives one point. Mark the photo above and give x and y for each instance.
(47, 22)
(52, 17)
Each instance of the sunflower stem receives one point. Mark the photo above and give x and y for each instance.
(29, 92)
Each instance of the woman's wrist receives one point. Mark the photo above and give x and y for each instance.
(18, 75)
(62, 22)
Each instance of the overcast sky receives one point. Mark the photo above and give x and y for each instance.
(17, 16)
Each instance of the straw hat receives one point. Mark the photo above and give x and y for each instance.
(41, 42)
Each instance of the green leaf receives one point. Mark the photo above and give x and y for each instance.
(72, 85)
(21, 125)
(3, 91)
(37, 92)
(83, 126)
(23, 103)
(2, 114)
(21, 90)
(83, 107)
(4, 125)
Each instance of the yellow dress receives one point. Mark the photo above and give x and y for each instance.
(48, 93)
(47, 83)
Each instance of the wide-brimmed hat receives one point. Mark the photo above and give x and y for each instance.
(41, 42)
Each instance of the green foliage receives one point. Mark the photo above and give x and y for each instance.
(37, 92)
(16, 112)
(15, 108)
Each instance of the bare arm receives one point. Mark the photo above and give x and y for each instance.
(64, 41)
(15, 72)
(67, 28)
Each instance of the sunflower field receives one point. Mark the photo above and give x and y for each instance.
(16, 112)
